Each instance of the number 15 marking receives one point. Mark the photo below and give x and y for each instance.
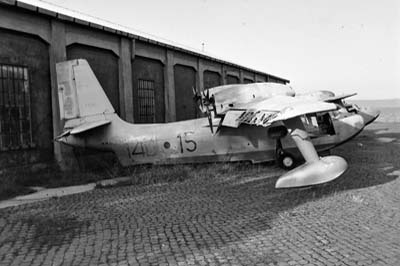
(189, 144)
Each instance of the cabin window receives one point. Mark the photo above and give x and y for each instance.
(146, 101)
(318, 124)
(15, 108)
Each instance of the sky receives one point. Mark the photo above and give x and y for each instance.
(341, 45)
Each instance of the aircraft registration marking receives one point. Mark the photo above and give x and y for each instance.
(143, 148)
(149, 147)
(186, 142)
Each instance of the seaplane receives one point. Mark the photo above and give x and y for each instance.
(256, 122)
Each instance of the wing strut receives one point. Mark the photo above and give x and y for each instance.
(315, 170)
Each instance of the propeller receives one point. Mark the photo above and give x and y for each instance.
(197, 97)
(206, 104)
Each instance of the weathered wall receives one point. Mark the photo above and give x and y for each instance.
(32, 52)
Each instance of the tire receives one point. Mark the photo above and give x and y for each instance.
(286, 161)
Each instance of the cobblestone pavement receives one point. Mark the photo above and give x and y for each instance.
(354, 220)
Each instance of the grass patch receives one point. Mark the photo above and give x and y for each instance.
(15, 182)
(10, 187)
(147, 175)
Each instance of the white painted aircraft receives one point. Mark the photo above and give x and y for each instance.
(245, 122)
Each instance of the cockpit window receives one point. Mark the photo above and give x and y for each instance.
(318, 124)
(352, 108)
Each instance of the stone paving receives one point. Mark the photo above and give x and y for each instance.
(354, 220)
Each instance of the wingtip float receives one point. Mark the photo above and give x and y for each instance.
(244, 122)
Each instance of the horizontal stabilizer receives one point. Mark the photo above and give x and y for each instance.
(65, 133)
(88, 126)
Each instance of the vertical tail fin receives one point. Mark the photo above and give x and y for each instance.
(79, 92)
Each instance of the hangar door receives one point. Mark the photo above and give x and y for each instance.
(185, 81)
(104, 64)
(25, 101)
(247, 81)
(232, 79)
(148, 90)
(211, 79)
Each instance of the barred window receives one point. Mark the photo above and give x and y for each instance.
(146, 101)
(15, 108)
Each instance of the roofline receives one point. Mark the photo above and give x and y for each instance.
(67, 18)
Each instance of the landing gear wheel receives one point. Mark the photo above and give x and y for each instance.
(286, 160)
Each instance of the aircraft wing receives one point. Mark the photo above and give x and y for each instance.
(268, 111)
(315, 170)
(339, 97)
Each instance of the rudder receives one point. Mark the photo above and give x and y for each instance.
(79, 92)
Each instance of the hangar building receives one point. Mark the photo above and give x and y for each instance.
(146, 80)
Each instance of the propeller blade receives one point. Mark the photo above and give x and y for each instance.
(210, 121)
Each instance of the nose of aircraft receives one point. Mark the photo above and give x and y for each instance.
(369, 114)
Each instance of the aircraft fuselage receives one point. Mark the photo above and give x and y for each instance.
(192, 141)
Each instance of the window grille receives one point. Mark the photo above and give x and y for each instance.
(146, 101)
(15, 108)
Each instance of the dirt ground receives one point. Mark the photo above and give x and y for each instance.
(224, 219)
